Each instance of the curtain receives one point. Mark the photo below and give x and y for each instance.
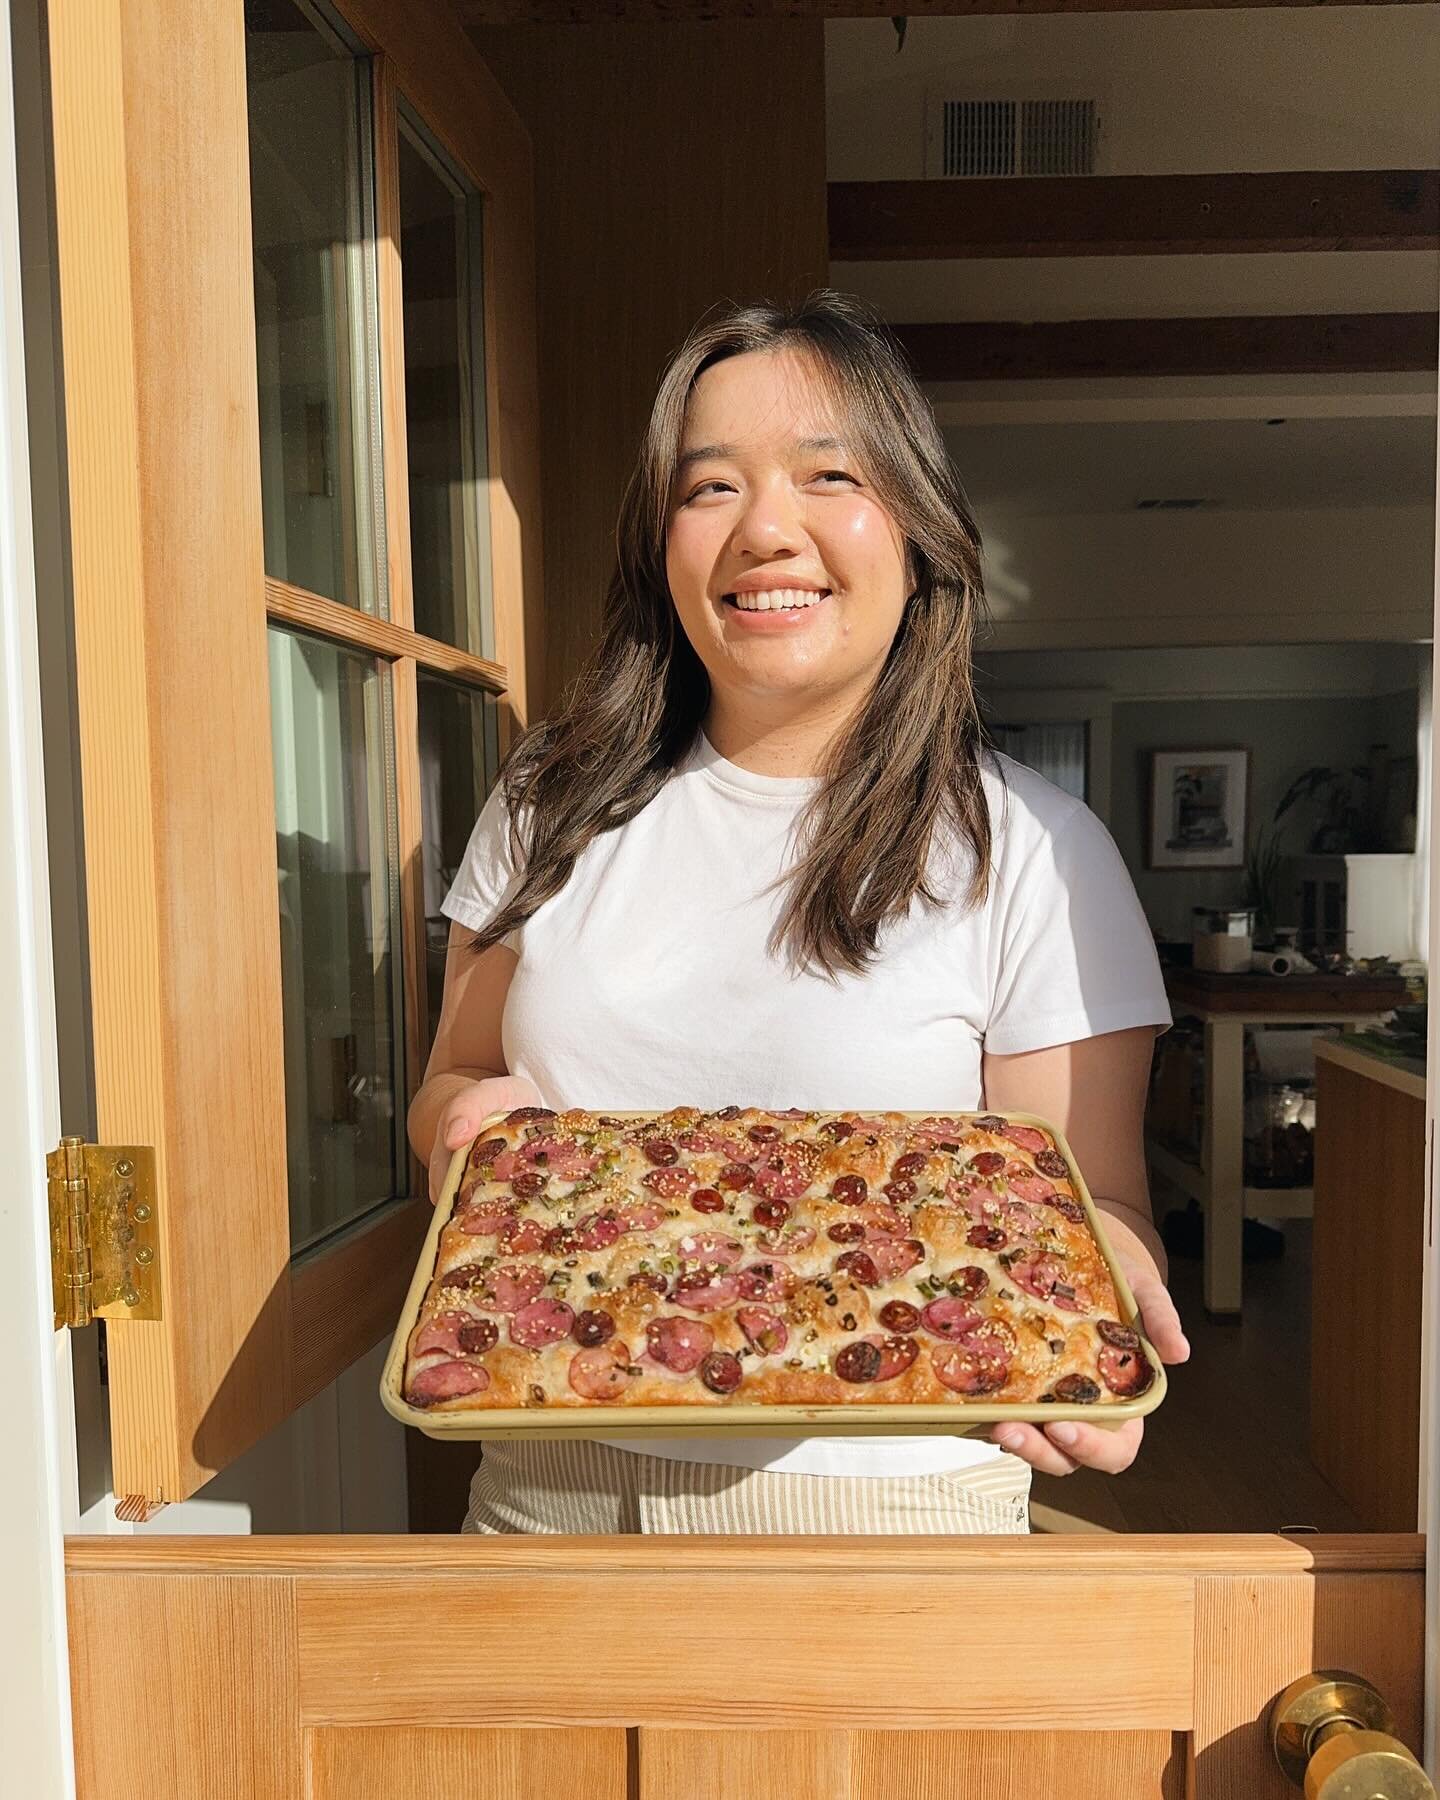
(1055, 751)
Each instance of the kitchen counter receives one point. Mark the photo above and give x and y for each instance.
(1406, 1074)
(1368, 1260)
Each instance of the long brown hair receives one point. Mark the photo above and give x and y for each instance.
(905, 768)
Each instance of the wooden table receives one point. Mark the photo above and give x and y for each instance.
(1367, 1281)
(1225, 1005)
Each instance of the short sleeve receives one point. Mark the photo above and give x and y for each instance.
(487, 876)
(1072, 952)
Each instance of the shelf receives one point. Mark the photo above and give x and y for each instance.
(1263, 1203)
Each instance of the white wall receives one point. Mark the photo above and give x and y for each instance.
(1348, 87)
(1210, 578)
(1291, 706)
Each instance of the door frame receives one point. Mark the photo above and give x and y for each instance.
(38, 1500)
(38, 1496)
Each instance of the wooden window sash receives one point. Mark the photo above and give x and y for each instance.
(303, 611)
(171, 605)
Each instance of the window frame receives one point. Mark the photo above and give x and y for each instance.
(151, 150)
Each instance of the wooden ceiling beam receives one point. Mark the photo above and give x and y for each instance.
(1135, 215)
(696, 12)
(1294, 344)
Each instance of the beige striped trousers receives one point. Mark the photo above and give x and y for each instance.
(579, 1486)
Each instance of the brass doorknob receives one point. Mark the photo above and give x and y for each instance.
(1332, 1734)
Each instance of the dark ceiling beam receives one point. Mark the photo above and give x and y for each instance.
(694, 12)
(1297, 344)
(1135, 215)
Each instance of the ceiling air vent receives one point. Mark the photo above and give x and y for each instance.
(1018, 137)
(1178, 503)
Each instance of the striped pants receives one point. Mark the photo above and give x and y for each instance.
(583, 1487)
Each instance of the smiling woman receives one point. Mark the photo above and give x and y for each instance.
(764, 856)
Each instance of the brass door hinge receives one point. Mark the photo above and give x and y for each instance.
(104, 1242)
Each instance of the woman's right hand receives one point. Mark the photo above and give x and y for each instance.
(466, 1110)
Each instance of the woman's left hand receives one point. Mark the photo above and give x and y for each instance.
(1062, 1448)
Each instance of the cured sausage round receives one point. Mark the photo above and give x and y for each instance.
(858, 1361)
(446, 1381)
(442, 1333)
(540, 1323)
(893, 1256)
(679, 1344)
(514, 1285)
(476, 1336)
(765, 1331)
(601, 1372)
(896, 1356)
(722, 1372)
(592, 1327)
(977, 1364)
(949, 1317)
(1076, 1390)
(710, 1249)
(1127, 1373)
(699, 1290)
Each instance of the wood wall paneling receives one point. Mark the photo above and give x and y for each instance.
(705, 183)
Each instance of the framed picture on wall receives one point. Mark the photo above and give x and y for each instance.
(1198, 803)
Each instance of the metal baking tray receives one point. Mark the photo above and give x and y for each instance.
(875, 1419)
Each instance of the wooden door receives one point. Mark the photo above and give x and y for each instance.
(296, 273)
(705, 1668)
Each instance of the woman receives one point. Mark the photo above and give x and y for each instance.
(762, 856)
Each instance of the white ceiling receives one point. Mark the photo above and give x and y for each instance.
(1018, 470)
(1177, 92)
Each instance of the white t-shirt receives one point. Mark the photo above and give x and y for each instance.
(647, 982)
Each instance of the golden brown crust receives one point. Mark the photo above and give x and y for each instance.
(578, 1269)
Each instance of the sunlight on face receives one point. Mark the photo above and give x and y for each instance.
(787, 573)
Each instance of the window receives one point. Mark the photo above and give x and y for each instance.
(1058, 752)
(371, 742)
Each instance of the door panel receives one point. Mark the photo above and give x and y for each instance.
(1248, 1630)
(172, 1680)
(415, 1763)
(783, 1669)
(921, 1765)
(369, 1653)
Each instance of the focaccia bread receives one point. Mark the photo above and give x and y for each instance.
(695, 1258)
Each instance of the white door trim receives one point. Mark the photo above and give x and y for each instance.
(36, 1426)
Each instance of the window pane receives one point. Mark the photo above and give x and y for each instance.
(459, 758)
(1058, 752)
(445, 396)
(312, 216)
(333, 739)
